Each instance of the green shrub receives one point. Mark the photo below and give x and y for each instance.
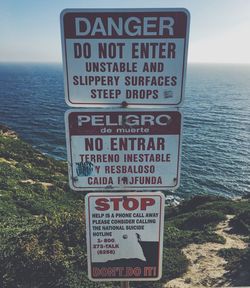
(192, 204)
(46, 255)
(231, 255)
(176, 238)
(207, 235)
(174, 264)
(227, 206)
(199, 219)
(241, 222)
(238, 265)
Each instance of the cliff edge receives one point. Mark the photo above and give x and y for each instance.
(42, 232)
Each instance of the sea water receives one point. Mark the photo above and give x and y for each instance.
(216, 132)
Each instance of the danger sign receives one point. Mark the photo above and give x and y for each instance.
(124, 235)
(123, 149)
(113, 55)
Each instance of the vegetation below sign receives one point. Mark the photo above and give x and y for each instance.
(42, 238)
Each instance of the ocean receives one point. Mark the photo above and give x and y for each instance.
(216, 131)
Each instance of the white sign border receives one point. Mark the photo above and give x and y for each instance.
(122, 188)
(65, 64)
(161, 232)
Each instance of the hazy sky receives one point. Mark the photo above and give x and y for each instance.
(219, 32)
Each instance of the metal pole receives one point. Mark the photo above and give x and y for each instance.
(125, 284)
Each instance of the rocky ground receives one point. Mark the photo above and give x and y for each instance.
(206, 268)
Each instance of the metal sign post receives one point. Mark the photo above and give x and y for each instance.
(125, 284)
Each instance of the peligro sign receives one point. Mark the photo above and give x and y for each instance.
(123, 150)
(121, 119)
(130, 55)
(124, 235)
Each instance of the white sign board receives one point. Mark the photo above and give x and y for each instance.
(119, 149)
(124, 235)
(132, 55)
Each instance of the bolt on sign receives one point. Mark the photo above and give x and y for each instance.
(124, 235)
(113, 55)
(113, 149)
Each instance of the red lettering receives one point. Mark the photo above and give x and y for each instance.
(116, 202)
(147, 202)
(102, 204)
(129, 204)
(127, 201)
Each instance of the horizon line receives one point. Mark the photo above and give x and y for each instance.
(57, 62)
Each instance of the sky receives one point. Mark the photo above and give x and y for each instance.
(219, 30)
